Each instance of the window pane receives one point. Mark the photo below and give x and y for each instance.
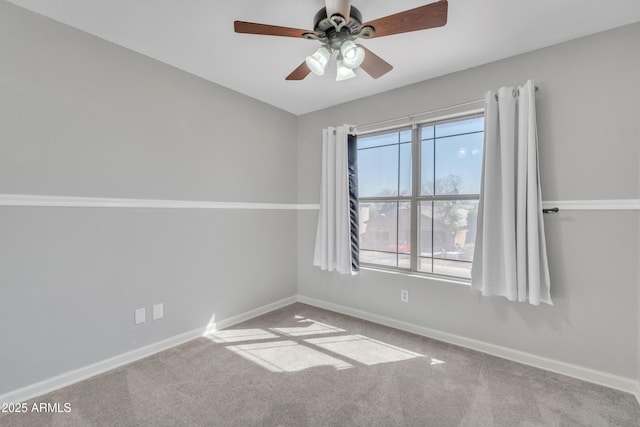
(378, 171)
(404, 228)
(460, 126)
(378, 226)
(405, 170)
(427, 132)
(454, 229)
(380, 258)
(445, 267)
(406, 135)
(452, 268)
(404, 261)
(385, 232)
(427, 166)
(425, 238)
(425, 264)
(459, 164)
(377, 140)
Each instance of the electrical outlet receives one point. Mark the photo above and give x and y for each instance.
(158, 311)
(404, 295)
(139, 316)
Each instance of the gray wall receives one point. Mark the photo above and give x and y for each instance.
(83, 117)
(588, 124)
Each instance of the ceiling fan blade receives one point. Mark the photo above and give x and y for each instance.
(267, 30)
(421, 18)
(374, 65)
(341, 7)
(299, 73)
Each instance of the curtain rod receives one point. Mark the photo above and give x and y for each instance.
(516, 92)
(412, 116)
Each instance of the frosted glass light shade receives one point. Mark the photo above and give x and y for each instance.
(318, 61)
(352, 54)
(343, 73)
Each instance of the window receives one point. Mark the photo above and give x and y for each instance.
(419, 190)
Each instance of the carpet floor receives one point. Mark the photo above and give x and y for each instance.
(304, 366)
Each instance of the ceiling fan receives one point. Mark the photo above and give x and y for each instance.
(338, 25)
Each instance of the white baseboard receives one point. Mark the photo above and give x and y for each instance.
(68, 378)
(575, 371)
(234, 320)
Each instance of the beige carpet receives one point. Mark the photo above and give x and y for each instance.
(303, 366)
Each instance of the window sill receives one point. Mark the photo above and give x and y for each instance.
(433, 277)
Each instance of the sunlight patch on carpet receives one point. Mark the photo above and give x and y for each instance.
(363, 349)
(310, 328)
(236, 335)
(286, 356)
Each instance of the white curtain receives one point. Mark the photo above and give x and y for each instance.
(510, 257)
(334, 234)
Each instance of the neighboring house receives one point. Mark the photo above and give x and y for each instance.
(385, 227)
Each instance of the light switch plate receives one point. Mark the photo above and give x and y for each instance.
(158, 311)
(140, 316)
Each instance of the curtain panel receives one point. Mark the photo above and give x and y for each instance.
(337, 237)
(510, 256)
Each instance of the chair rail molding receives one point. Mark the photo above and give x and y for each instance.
(32, 200)
(594, 205)
(35, 200)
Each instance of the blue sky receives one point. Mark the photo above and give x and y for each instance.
(456, 154)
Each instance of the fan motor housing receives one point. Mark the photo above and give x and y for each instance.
(322, 23)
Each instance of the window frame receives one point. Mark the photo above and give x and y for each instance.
(415, 198)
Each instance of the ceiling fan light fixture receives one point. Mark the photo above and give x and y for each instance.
(352, 54)
(338, 25)
(343, 73)
(318, 60)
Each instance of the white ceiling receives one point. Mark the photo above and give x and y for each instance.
(197, 36)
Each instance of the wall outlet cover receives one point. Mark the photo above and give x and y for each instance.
(404, 295)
